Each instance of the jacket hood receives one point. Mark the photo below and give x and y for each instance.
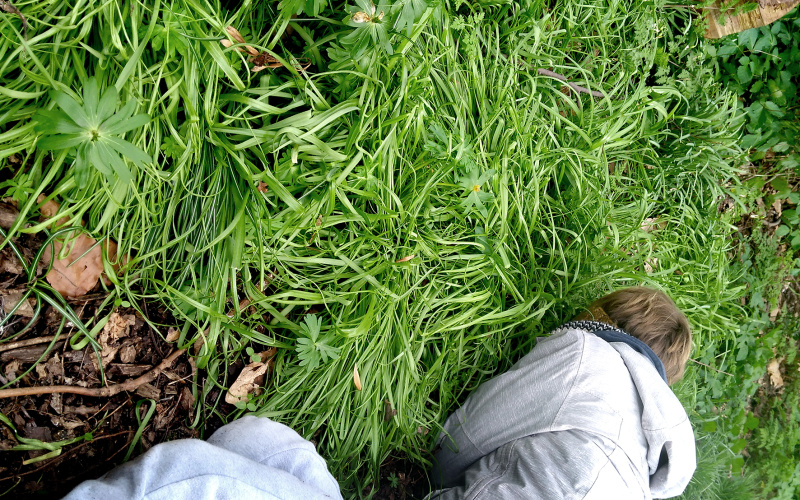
(671, 458)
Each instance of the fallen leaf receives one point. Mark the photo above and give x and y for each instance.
(173, 334)
(56, 402)
(652, 224)
(388, 411)
(650, 265)
(356, 377)
(9, 300)
(774, 370)
(262, 187)
(249, 381)
(777, 206)
(9, 263)
(78, 272)
(405, 259)
(127, 354)
(117, 327)
(187, 399)
(12, 368)
(773, 314)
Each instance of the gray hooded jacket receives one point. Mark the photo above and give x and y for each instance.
(578, 417)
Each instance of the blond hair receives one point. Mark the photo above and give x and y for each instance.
(652, 317)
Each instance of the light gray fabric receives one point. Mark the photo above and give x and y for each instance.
(249, 458)
(575, 411)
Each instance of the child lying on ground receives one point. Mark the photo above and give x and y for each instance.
(586, 414)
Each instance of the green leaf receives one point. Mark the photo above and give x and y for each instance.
(748, 38)
(109, 157)
(60, 141)
(744, 75)
(83, 169)
(72, 108)
(91, 99)
(312, 326)
(128, 150)
(120, 116)
(726, 50)
(107, 105)
(129, 124)
(782, 230)
(95, 159)
(55, 121)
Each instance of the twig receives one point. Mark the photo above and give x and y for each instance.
(9, 7)
(701, 364)
(98, 392)
(577, 88)
(25, 343)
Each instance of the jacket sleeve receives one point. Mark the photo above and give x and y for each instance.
(248, 458)
(522, 401)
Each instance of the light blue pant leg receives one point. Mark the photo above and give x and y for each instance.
(249, 458)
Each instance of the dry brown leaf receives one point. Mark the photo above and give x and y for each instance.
(405, 259)
(774, 370)
(773, 314)
(127, 354)
(262, 187)
(49, 209)
(56, 403)
(75, 274)
(652, 224)
(650, 264)
(12, 368)
(173, 334)
(356, 377)
(249, 381)
(117, 327)
(10, 299)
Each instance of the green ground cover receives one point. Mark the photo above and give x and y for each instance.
(418, 203)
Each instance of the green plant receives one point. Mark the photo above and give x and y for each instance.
(313, 349)
(763, 66)
(94, 129)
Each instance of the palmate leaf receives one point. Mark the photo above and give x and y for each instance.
(473, 182)
(119, 117)
(97, 161)
(55, 121)
(74, 110)
(119, 128)
(91, 97)
(409, 12)
(311, 349)
(107, 104)
(128, 150)
(110, 157)
(312, 326)
(61, 141)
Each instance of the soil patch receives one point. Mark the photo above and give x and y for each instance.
(97, 432)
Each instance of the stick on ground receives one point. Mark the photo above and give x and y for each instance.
(98, 392)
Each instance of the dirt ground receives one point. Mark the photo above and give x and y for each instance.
(104, 428)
